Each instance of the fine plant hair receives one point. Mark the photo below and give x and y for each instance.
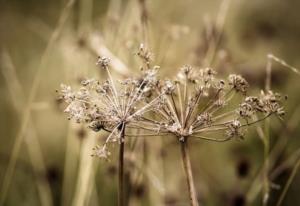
(193, 105)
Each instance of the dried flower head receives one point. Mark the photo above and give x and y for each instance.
(103, 62)
(197, 104)
(111, 106)
(238, 83)
(145, 55)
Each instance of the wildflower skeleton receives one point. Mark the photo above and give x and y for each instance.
(197, 103)
(111, 107)
(194, 105)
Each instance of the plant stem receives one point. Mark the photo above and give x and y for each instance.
(266, 184)
(121, 167)
(289, 182)
(188, 172)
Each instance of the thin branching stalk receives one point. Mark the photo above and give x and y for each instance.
(188, 172)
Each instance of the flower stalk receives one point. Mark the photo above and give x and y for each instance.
(188, 172)
(121, 166)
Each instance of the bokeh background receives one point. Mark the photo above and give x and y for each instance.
(45, 159)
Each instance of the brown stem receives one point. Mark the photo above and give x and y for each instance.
(188, 172)
(121, 167)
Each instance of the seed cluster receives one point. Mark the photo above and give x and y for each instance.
(195, 104)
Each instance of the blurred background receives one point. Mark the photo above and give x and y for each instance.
(45, 159)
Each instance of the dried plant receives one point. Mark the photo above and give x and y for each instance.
(194, 105)
(112, 107)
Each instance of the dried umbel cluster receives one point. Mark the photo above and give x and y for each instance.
(195, 104)
(110, 106)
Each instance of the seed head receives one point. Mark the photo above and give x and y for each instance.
(196, 104)
(103, 62)
(185, 109)
(111, 105)
(238, 83)
(234, 130)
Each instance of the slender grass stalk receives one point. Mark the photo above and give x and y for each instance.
(68, 166)
(85, 16)
(283, 63)
(266, 184)
(31, 139)
(144, 21)
(86, 174)
(266, 140)
(121, 167)
(288, 163)
(289, 182)
(220, 22)
(257, 185)
(27, 111)
(188, 172)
